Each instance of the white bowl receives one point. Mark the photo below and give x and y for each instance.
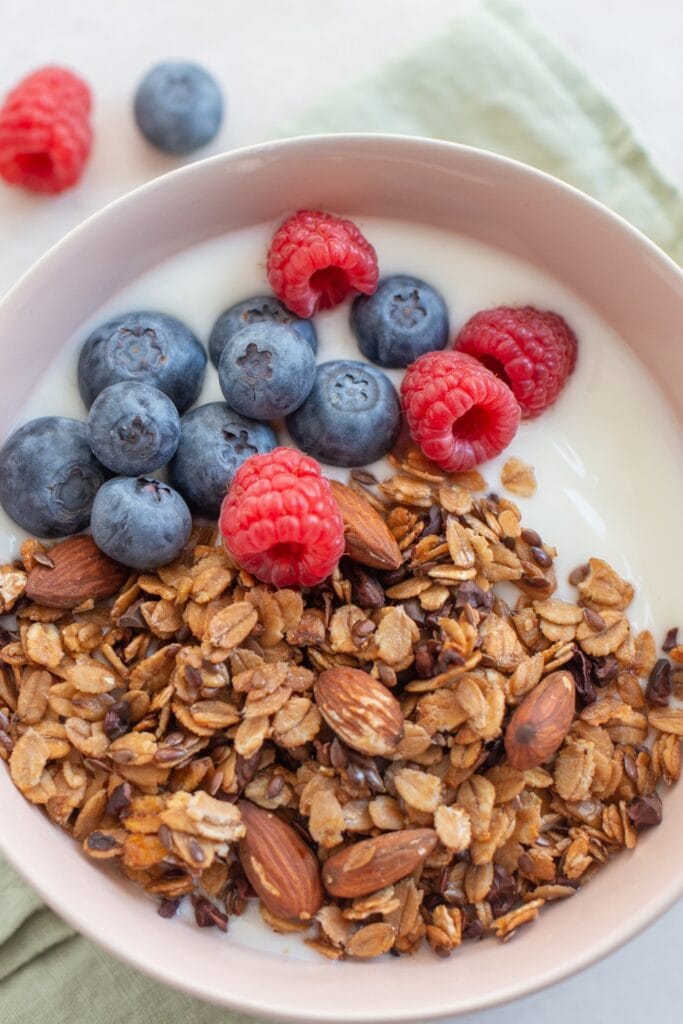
(608, 264)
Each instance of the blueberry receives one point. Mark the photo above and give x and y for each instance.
(255, 311)
(140, 522)
(214, 441)
(178, 106)
(266, 370)
(403, 319)
(49, 476)
(351, 417)
(149, 348)
(133, 428)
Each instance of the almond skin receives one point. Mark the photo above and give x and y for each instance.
(362, 712)
(541, 722)
(368, 538)
(80, 571)
(282, 869)
(371, 864)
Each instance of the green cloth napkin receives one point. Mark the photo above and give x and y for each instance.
(493, 79)
(490, 79)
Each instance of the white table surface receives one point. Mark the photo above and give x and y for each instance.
(274, 57)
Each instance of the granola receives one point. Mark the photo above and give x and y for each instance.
(141, 724)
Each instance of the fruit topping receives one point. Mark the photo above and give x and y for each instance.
(351, 417)
(280, 520)
(266, 371)
(214, 442)
(133, 428)
(316, 260)
(403, 319)
(532, 350)
(140, 521)
(260, 309)
(49, 476)
(458, 412)
(150, 348)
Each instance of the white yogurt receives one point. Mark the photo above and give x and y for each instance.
(603, 455)
(600, 454)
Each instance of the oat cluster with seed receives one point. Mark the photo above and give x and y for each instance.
(368, 716)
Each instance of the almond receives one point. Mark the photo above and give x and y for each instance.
(80, 570)
(282, 869)
(368, 538)
(371, 864)
(541, 722)
(362, 712)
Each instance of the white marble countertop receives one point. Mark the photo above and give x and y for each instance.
(630, 47)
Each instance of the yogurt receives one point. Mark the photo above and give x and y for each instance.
(592, 452)
(600, 490)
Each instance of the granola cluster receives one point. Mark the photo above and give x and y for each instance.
(140, 723)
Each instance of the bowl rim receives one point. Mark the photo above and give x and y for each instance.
(671, 888)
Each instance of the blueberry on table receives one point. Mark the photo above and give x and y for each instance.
(149, 348)
(403, 319)
(266, 371)
(178, 106)
(214, 442)
(140, 522)
(351, 417)
(49, 477)
(260, 309)
(133, 428)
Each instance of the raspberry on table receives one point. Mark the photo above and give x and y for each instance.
(279, 520)
(45, 133)
(316, 260)
(532, 350)
(458, 412)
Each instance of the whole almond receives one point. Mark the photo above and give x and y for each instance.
(371, 864)
(368, 538)
(282, 869)
(80, 570)
(541, 722)
(362, 712)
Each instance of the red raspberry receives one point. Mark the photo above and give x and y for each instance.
(45, 133)
(533, 351)
(458, 412)
(279, 520)
(316, 260)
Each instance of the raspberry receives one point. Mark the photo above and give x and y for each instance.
(45, 133)
(458, 411)
(533, 351)
(279, 520)
(316, 260)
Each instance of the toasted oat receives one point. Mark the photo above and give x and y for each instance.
(418, 790)
(453, 827)
(519, 478)
(28, 759)
(506, 925)
(668, 720)
(139, 724)
(371, 940)
(12, 586)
